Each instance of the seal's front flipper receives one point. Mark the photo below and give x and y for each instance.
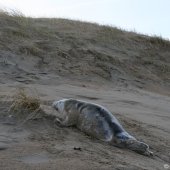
(63, 122)
(58, 121)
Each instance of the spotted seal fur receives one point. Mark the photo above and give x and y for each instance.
(97, 121)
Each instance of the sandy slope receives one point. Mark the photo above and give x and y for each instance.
(56, 58)
(40, 144)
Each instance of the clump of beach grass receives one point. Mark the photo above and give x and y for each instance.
(21, 100)
(25, 106)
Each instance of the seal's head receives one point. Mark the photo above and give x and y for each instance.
(59, 105)
(139, 147)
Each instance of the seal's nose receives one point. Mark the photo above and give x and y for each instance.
(54, 105)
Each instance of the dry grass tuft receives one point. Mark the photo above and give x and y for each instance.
(158, 40)
(30, 49)
(24, 102)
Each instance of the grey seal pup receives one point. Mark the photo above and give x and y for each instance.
(98, 122)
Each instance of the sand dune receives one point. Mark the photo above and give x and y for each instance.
(55, 58)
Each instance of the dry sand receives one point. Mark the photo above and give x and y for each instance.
(40, 144)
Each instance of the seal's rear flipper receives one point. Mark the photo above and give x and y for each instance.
(148, 153)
